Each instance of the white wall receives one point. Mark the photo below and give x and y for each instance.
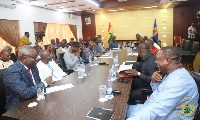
(28, 14)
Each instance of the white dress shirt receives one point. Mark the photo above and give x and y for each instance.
(50, 69)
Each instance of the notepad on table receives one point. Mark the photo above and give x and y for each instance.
(100, 114)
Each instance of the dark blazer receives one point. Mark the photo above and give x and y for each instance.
(19, 85)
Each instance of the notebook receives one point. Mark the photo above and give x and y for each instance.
(100, 114)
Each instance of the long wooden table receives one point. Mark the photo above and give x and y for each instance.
(74, 103)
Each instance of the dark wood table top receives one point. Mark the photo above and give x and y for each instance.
(74, 103)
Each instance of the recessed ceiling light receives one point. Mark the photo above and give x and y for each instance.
(147, 7)
(121, 9)
(93, 10)
(64, 1)
(112, 10)
(98, 12)
(154, 6)
(94, 3)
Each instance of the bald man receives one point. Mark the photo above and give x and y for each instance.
(49, 71)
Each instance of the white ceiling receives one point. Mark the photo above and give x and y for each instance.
(60, 5)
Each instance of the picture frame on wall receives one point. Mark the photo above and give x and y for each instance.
(87, 21)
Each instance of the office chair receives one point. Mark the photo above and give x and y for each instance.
(196, 77)
(63, 65)
(177, 40)
(2, 92)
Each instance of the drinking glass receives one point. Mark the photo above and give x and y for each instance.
(102, 91)
(40, 92)
(80, 72)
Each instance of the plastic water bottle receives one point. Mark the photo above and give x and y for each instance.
(118, 47)
(113, 72)
(110, 53)
(90, 60)
(109, 93)
(83, 69)
(116, 60)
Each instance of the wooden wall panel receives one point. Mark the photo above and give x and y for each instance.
(183, 17)
(90, 29)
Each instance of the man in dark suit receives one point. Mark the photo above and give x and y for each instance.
(21, 78)
(142, 72)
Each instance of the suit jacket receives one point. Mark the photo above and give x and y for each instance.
(19, 85)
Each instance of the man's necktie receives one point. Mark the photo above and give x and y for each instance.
(51, 70)
(29, 72)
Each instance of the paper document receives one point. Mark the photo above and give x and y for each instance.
(133, 54)
(105, 57)
(58, 88)
(115, 48)
(125, 67)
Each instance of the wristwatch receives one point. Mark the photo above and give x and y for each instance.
(138, 73)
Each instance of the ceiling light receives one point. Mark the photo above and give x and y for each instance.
(169, 4)
(147, 7)
(98, 12)
(93, 10)
(93, 2)
(121, 9)
(154, 6)
(64, 1)
(112, 10)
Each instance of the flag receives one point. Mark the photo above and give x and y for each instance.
(155, 32)
(110, 33)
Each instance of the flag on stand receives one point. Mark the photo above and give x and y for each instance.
(155, 32)
(110, 33)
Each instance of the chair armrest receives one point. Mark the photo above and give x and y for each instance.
(68, 71)
(144, 93)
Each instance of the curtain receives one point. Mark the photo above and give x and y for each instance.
(4, 43)
(39, 27)
(60, 31)
(9, 31)
(74, 31)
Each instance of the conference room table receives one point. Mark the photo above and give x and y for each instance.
(75, 103)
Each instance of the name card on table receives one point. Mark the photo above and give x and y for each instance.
(58, 88)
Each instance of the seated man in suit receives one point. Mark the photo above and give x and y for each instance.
(113, 43)
(21, 78)
(175, 93)
(5, 61)
(61, 49)
(97, 48)
(48, 70)
(142, 72)
(72, 56)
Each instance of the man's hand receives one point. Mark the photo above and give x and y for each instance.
(77, 53)
(98, 55)
(48, 80)
(132, 72)
(156, 77)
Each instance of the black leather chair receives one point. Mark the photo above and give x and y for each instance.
(196, 77)
(2, 92)
(187, 45)
(188, 57)
(63, 65)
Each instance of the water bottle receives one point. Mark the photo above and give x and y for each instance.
(83, 69)
(110, 53)
(90, 60)
(95, 61)
(109, 93)
(116, 60)
(113, 72)
(118, 47)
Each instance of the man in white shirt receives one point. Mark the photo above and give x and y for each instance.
(61, 49)
(191, 33)
(48, 70)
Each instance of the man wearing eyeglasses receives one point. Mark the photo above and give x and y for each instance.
(21, 78)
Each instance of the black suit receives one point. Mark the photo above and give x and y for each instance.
(146, 68)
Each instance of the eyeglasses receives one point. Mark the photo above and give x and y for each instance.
(31, 56)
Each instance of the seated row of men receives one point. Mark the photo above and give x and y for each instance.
(175, 91)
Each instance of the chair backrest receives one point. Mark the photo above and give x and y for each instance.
(177, 39)
(62, 62)
(187, 45)
(194, 48)
(2, 92)
(182, 43)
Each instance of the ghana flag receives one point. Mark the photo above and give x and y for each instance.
(110, 33)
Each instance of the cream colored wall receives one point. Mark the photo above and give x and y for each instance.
(126, 24)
